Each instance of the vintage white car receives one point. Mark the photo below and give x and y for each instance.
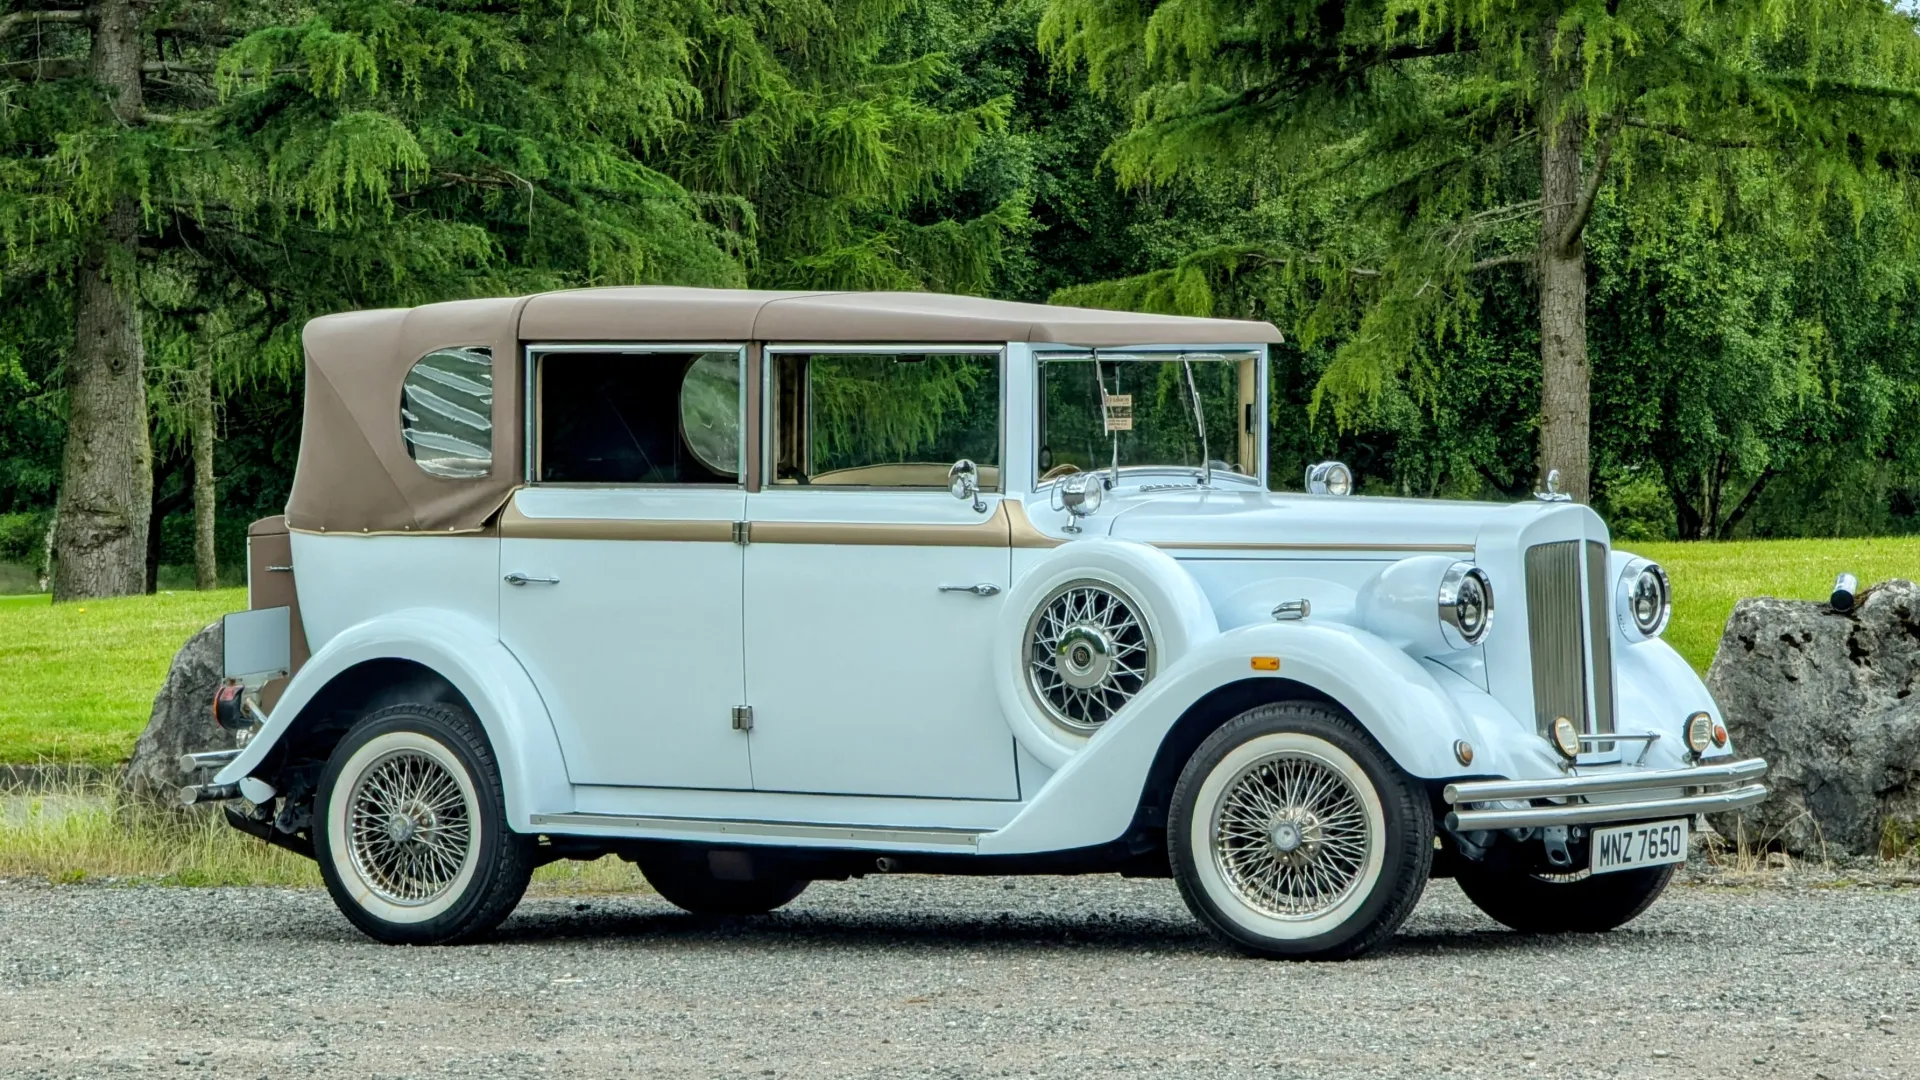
(756, 589)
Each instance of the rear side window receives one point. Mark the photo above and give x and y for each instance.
(446, 412)
(660, 416)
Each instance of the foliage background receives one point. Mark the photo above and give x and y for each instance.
(362, 152)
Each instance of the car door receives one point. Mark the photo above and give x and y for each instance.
(872, 593)
(621, 580)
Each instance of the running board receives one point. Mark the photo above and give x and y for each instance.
(764, 831)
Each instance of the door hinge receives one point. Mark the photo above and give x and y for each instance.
(742, 532)
(743, 718)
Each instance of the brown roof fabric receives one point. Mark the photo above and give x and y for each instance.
(354, 472)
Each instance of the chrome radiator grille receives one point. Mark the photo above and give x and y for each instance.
(1567, 617)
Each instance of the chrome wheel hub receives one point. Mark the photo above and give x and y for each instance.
(1084, 656)
(409, 828)
(1290, 836)
(1088, 653)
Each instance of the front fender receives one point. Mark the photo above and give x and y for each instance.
(532, 772)
(1401, 702)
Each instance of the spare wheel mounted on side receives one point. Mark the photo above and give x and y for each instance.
(1084, 632)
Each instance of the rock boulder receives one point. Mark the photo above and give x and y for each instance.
(1830, 701)
(182, 720)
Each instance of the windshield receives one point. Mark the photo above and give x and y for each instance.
(1148, 408)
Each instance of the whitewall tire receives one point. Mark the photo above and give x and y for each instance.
(1130, 609)
(1292, 835)
(411, 831)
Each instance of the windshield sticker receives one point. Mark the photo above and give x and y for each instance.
(1119, 412)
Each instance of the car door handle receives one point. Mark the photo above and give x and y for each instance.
(517, 578)
(982, 589)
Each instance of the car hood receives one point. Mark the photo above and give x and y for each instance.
(1227, 518)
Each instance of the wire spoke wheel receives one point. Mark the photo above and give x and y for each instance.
(410, 827)
(1291, 836)
(1088, 654)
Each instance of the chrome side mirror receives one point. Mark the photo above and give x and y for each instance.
(964, 481)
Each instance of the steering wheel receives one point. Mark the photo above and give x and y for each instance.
(1065, 468)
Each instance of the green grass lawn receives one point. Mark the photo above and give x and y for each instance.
(77, 680)
(1708, 578)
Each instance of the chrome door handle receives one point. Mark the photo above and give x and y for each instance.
(517, 578)
(982, 589)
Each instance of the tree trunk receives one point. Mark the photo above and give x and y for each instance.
(1564, 408)
(205, 572)
(106, 483)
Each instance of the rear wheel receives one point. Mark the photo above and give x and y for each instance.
(1562, 903)
(1292, 835)
(690, 884)
(411, 834)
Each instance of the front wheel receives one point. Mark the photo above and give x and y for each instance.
(1562, 903)
(411, 833)
(1292, 835)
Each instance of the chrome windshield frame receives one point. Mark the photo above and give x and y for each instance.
(1262, 360)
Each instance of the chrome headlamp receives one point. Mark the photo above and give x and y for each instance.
(1643, 599)
(1466, 605)
(1329, 478)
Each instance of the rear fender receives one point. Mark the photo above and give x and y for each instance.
(1092, 799)
(468, 656)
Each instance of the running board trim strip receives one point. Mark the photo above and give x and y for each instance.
(764, 830)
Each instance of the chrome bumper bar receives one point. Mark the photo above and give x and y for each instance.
(1709, 789)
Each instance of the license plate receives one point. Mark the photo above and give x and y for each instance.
(1647, 843)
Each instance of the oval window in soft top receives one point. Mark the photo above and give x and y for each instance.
(446, 412)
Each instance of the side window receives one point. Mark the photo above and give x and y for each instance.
(446, 412)
(896, 420)
(657, 417)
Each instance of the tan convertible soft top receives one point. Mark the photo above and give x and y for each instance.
(355, 475)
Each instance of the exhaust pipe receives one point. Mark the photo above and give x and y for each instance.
(190, 763)
(194, 794)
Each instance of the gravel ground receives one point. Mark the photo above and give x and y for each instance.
(894, 977)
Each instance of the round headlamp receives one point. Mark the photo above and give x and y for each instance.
(1643, 599)
(1700, 733)
(1329, 478)
(1466, 605)
(1081, 494)
(1566, 738)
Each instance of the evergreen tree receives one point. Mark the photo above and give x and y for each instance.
(1427, 142)
(245, 174)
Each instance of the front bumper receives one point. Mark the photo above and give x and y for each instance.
(1594, 798)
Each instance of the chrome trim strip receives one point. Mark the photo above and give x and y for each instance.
(1607, 783)
(1604, 813)
(1228, 545)
(766, 830)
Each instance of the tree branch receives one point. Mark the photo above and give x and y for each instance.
(1584, 210)
(59, 67)
(1675, 131)
(1518, 257)
(14, 20)
(1725, 531)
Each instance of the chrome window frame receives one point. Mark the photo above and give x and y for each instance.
(1262, 359)
(531, 408)
(769, 414)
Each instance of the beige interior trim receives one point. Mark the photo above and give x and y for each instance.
(517, 526)
(992, 531)
(1025, 535)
